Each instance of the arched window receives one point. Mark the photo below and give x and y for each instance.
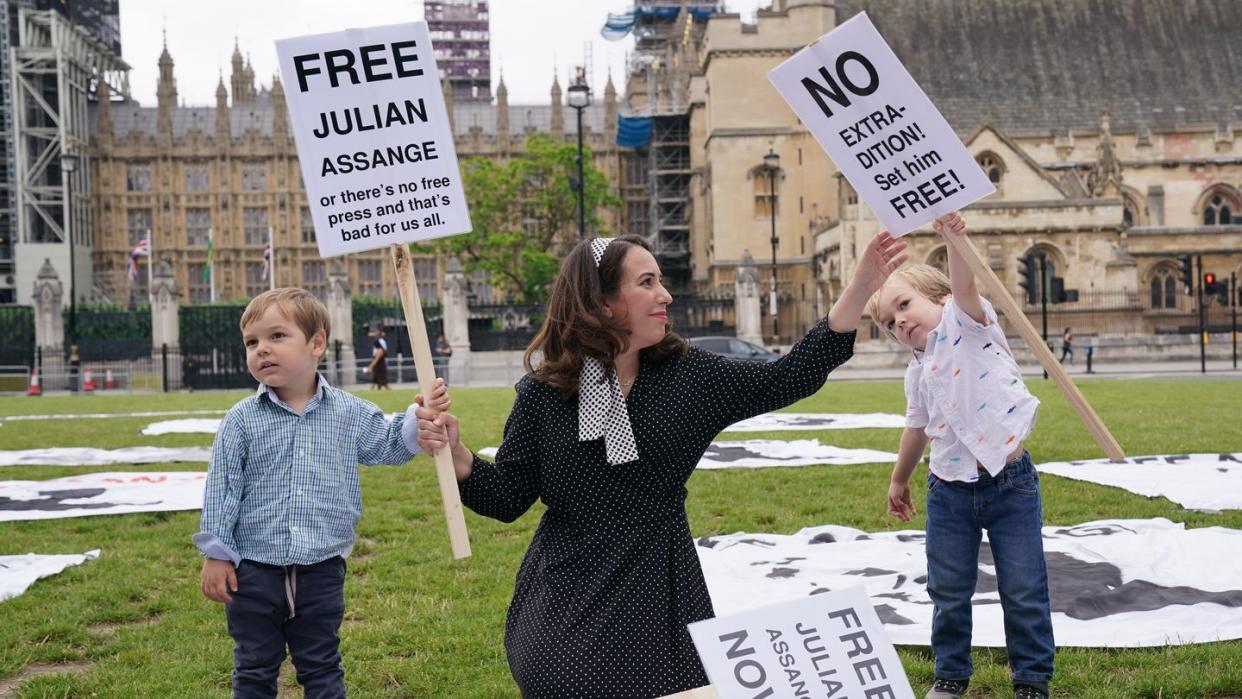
(1218, 212)
(1132, 211)
(1164, 288)
(939, 258)
(763, 184)
(992, 166)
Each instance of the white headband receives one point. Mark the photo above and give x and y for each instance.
(598, 246)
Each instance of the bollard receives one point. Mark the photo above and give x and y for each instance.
(1090, 351)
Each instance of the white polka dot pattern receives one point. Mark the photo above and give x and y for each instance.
(602, 413)
(611, 579)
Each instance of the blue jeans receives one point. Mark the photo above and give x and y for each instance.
(261, 626)
(1009, 507)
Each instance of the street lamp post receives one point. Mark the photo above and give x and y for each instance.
(68, 164)
(772, 164)
(579, 97)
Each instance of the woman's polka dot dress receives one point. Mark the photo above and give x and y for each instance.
(611, 578)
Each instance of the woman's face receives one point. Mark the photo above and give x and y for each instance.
(641, 300)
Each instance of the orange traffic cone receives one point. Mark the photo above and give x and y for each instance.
(88, 381)
(109, 382)
(35, 389)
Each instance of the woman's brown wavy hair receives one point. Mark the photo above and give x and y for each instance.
(576, 326)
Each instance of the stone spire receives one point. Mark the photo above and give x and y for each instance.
(502, 111)
(610, 111)
(237, 76)
(223, 133)
(280, 122)
(558, 109)
(248, 87)
(166, 93)
(1105, 175)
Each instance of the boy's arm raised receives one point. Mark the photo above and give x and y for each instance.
(961, 278)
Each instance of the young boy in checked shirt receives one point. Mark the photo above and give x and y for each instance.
(965, 395)
(283, 498)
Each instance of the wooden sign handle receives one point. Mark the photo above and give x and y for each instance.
(1000, 296)
(403, 262)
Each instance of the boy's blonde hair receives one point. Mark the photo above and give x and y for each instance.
(297, 305)
(928, 281)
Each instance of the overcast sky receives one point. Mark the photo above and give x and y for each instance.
(531, 39)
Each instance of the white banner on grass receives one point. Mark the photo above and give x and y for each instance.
(777, 422)
(96, 416)
(85, 456)
(373, 137)
(18, 573)
(879, 127)
(101, 494)
(1114, 583)
(187, 426)
(1210, 482)
(822, 645)
(765, 453)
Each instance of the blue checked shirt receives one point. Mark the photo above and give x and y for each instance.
(283, 488)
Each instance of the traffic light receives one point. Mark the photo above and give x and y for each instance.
(1213, 287)
(1027, 273)
(1188, 273)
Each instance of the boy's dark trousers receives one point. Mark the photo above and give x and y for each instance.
(262, 623)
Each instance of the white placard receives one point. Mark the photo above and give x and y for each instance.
(879, 127)
(826, 645)
(373, 137)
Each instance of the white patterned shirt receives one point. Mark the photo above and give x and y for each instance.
(966, 392)
(283, 488)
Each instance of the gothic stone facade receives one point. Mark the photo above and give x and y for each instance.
(231, 173)
(1111, 131)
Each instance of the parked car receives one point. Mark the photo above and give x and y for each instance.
(734, 348)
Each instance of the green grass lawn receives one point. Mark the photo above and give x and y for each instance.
(419, 624)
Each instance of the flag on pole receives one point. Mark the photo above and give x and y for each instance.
(267, 259)
(142, 249)
(211, 253)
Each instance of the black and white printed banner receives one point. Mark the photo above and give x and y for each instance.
(101, 494)
(1114, 583)
(786, 422)
(765, 453)
(1195, 481)
(83, 456)
(18, 573)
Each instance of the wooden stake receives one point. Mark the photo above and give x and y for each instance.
(410, 303)
(962, 246)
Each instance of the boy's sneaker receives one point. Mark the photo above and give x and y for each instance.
(947, 689)
(1029, 691)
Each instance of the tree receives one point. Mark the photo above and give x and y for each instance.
(525, 213)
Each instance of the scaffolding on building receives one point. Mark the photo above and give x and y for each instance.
(460, 31)
(665, 34)
(55, 72)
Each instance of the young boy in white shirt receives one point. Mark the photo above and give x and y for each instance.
(965, 395)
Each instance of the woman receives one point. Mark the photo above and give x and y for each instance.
(606, 432)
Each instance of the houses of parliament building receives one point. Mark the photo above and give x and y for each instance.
(1110, 130)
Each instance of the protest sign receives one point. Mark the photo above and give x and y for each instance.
(373, 137)
(879, 127)
(376, 149)
(904, 160)
(825, 645)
